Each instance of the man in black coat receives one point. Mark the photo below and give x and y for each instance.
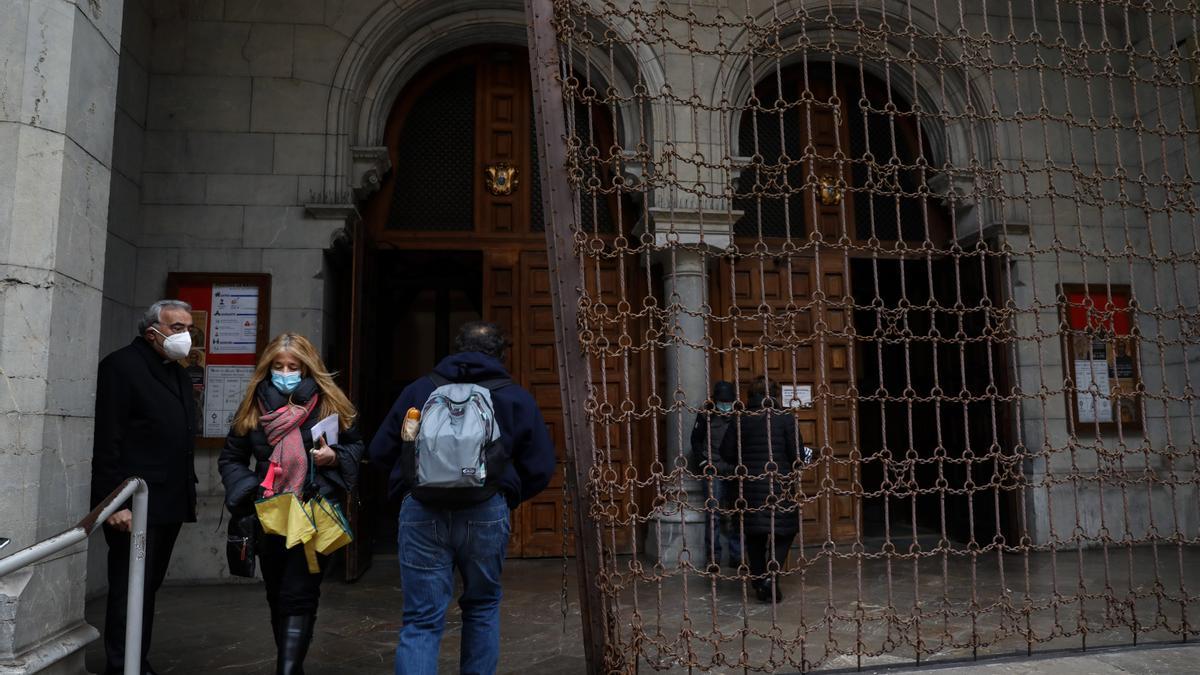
(145, 427)
(764, 439)
(707, 434)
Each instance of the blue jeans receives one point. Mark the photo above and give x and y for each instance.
(433, 543)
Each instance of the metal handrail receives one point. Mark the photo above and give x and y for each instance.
(132, 487)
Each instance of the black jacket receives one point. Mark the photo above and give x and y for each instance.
(146, 427)
(759, 488)
(242, 483)
(522, 429)
(710, 425)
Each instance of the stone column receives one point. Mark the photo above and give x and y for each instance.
(685, 287)
(58, 83)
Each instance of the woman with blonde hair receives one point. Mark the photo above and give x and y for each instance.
(291, 390)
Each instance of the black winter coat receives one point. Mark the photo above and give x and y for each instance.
(759, 489)
(242, 483)
(146, 427)
(710, 425)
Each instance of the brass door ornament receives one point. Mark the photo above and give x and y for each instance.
(500, 178)
(830, 193)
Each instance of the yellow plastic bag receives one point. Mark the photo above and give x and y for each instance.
(274, 512)
(332, 530)
(284, 515)
(318, 525)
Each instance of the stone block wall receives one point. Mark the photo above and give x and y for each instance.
(234, 139)
(220, 135)
(58, 90)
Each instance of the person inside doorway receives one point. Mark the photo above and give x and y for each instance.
(290, 391)
(764, 439)
(707, 434)
(443, 529)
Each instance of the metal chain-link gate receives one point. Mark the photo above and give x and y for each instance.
(944, 253)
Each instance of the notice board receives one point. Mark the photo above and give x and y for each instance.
(231, 316)
(1100, 356)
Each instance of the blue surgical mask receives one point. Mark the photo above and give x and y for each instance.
(724, 406)
(285, 382)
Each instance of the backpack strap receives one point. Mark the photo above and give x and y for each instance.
(438, 380)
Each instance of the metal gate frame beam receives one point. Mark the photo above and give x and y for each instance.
(566, 284)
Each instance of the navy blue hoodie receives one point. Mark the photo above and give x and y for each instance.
(521, 428)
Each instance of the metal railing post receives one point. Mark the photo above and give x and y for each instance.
(140, 492)
(135, 599)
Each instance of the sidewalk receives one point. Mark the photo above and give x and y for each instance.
(225, 629)
(1177, 658)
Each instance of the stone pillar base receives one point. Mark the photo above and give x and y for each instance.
(666, 535)
(59, 655)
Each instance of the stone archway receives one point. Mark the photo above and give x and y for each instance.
(396, 43)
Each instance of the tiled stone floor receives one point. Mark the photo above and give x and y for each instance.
(224, 629)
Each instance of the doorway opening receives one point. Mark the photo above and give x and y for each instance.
(928, 434)
(417, 301)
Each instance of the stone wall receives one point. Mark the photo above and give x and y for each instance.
(251, 111)
(220, 124)
(119, 317)
(58, 74)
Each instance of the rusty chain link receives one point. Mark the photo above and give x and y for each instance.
(964, 237)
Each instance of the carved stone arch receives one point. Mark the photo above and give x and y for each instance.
(394, 44)
(946, 95)
(634, 66)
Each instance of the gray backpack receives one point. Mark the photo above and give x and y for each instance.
(458, 444)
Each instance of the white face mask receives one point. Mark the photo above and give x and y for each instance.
(176, 346)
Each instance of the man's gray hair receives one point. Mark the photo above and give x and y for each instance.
(154, 314)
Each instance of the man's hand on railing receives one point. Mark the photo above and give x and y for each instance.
(121, 520)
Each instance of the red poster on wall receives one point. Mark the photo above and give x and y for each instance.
(1101, 353)
(1099, 311)
(230, 313)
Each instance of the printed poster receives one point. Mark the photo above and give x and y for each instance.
(796, 396)
(1093, 405)
(224, 388)
(234, 319)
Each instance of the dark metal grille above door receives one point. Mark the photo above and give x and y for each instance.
(435, 177)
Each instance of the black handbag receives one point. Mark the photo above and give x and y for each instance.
(239, 546)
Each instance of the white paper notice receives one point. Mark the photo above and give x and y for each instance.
(1092, 405)
(796, 396)
(234, 319)
(225, 387)
(327, 426)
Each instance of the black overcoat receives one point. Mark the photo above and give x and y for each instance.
(758, 489)
(146, 427)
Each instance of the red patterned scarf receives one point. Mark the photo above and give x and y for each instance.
(289, 459)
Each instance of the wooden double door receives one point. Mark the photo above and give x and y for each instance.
(792, 313)
(462, 202)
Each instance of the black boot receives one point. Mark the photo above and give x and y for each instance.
(295, 634)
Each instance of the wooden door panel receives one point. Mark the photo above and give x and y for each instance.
(502, 136)
(542, 523)
(785, 347)
(517, 295)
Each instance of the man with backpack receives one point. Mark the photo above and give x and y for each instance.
(464, 446)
